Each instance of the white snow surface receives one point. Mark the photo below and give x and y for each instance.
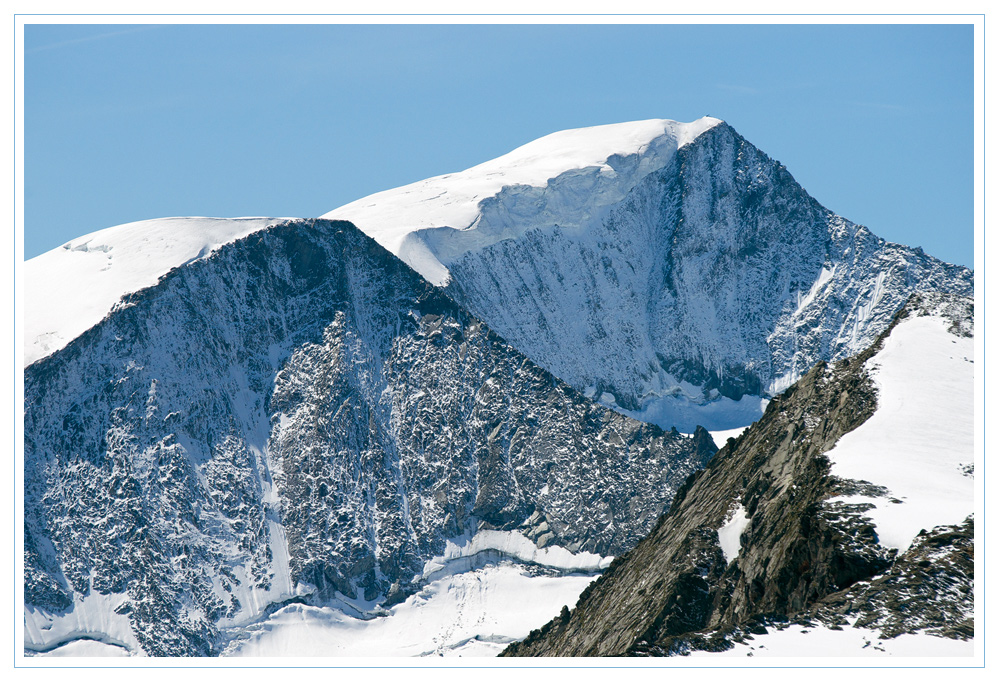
(396, 217)
(920, 441)
(731, 530)
(721, 436)
(71, 288)
(85, 648)
(467, 614)
(821, 641)
(92, 620)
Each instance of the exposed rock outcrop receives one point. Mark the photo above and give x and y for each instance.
(800, 552)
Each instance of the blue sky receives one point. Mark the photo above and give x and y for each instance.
(124, 123)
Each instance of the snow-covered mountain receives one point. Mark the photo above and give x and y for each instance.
(70, 289)
(839, 522)
(671, 270)
(291, 414)
(251, 436)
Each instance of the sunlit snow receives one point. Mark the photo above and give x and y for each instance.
(722, 435)
(822, 641)
(512, 544)
(467, 614)
(71, 288)
(393, 217)
(86, 648)
(730, 532)
(919, 444)
(93, 621)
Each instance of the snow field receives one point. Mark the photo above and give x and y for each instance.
(919, 444)
(71, 288)
(819, 641)
(86, 648)
(91, 628)
(471, 614)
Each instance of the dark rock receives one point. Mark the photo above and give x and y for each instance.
(802, 556)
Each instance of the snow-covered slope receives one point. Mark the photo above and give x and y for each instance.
(298, 415)
(466, 614)
(71, 288)
(919, 445)
(794, 640)
(670, 270)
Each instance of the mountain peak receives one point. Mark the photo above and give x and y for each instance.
(680, 246)
(452, 203)
(593, 145)
(72, 287)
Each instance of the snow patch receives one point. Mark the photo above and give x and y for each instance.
(720, 437)
(803, 302)
(920, 440)
(514, 545)
(820, 641)
(731, 530)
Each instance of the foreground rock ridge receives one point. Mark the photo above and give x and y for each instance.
(703, 268)
(804, 554)
(294, 417)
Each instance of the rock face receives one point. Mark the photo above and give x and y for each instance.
(765, 532)
(690, 268)
(928, 588)
(296, 415)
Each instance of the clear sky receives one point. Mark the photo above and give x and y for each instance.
(125, 123)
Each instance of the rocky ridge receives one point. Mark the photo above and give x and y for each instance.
(803, 555)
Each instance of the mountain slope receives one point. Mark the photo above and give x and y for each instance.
(773, 531)
(674, 278)
(70, 289)
(296, 416)
(432, 222)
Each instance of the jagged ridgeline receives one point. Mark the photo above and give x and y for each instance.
(807, 549)
(297, 414)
